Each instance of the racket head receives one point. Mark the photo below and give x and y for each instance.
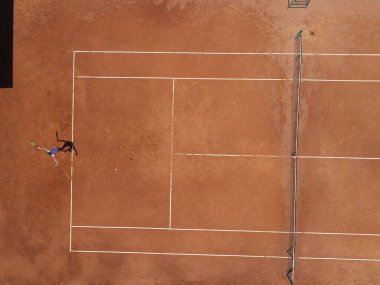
(33, 144)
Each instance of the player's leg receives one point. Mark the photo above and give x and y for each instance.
(56, 162)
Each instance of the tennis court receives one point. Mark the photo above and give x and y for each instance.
(200, 161)
(214, 177)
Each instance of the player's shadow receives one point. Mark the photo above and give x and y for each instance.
(67, 145)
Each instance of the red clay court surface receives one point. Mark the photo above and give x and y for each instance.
(180, 111)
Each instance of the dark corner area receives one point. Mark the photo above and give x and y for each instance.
(6, 43)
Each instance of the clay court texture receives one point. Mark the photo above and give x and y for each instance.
(181, 115)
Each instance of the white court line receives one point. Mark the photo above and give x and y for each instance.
(226, 53)
(72, 154)
(227, 78)
(226, 255)
(231, 155)
(277, 156)
(185, 52)
(340, 259)
(341, 80)
(338, 157)
(181, 78)
(171, 157)
(182, 254)
(228, 230)
(339, 234)
(341, 54)
(182, 229)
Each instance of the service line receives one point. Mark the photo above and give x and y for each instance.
(276, 156)
(171, 155)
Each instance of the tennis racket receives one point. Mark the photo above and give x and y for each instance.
(35, 145)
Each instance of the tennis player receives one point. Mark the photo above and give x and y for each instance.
(52, 153)
(67, 146)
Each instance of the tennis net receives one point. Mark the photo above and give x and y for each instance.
(295, 99)
(295, 108)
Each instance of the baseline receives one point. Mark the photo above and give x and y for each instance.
(227, 78)
(229, 230)
(226, 53)
(226, 255)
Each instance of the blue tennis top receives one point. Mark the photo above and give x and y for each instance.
(53, 151)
